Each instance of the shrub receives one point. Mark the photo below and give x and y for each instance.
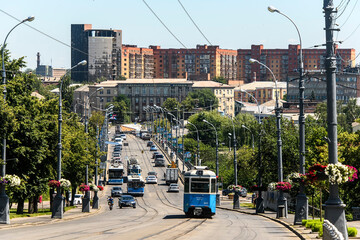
(310, 223)
(316, 227)
(303, 222)
(321, 232)
(349, 217)
(352, 232)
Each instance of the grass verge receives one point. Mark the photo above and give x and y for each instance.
(45, 211)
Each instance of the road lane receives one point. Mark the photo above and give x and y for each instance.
(158, 216)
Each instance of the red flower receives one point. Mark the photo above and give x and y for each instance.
(54, 183)
(100, 188)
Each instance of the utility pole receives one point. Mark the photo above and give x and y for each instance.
(334, 207)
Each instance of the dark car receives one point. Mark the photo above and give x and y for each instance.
(158, 156)
(226, 192)
(127, 201)
(152, 173)
(116, 191)
(154, 154)
(149, 144)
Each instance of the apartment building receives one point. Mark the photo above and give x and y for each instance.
(347, 85)
(202, 63)
(284, 62)
(102, 50)
(137, 62)
(263, 91)
(223, 92)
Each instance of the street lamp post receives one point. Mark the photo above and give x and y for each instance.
(302, 206)
(58, 207)
(176, 140)
(182, 142)
(229, 137)
(86, 199)
(4, 199)
(281, 201)
(236, 202)
(217, 162)
(198, 145)
(252, 135)
(259, 202)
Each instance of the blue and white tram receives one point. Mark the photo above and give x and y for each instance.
(200, 192)
(135, 185)
(116, 173)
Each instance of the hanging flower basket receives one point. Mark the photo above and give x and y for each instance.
(235, 188)
(3, 180)
(317, 173)
(339, 173)
(93, 187)
(84, 188)
(11, 180)
(284, 186)
(296, 177)
(54, 184)
(65, 184)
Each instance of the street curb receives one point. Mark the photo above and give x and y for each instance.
(297, 233)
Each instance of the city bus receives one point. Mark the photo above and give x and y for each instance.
(116, 173)
(135, 185)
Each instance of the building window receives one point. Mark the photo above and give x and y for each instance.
(108, 91)
(151, 101)
(144, 101)
(108, 99)
(136, 100)
(101, 92)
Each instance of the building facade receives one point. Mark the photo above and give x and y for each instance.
(284, 62)
(263, 91)
(141, 92)
(102, 50)
(223, 92)
(347, 86)
(137, 62)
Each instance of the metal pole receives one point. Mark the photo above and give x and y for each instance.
(96, 198)
(334, 207)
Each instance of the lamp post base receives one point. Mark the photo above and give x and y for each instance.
(259, 201)
(336, 215)
(86, 204)
(95, 204)
(217, 199)
(4, 209)
(281, 208)
(302, 208)
(236, 201)
(58, 207)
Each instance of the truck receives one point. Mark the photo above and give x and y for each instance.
(171, 175)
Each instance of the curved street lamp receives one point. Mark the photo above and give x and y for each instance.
(57, 210)
(252, 135)
(302, 206)
(4, 199)
(281, 202)
(217, 161)
(198, 145)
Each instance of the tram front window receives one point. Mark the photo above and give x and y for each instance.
(200, 185)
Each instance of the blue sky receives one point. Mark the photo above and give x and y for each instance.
(231, 24)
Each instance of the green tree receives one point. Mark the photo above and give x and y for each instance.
(203, 98)
(220, 80)
(122, 108)
(170, 104)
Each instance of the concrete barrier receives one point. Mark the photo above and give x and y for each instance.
(330, 232)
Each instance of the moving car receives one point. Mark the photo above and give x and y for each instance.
(149, 144)
(152, 173)
(123, 136)
(153, 148)
(160, 162)
(127, 201)
(154, 154)
(151, 179)
(116, 191)
(158, 156)
(243, 192)
(174, 187)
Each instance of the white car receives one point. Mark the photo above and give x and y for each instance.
(151, 179)
(174, 187)
(78, 199)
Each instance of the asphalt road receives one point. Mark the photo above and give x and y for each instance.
(158, 215)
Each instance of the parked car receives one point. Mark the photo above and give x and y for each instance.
(243, 192)
(153, 148)
(226, 192)
(127, 201)
(149, 144)
(78, 199)
(151, 179)
(116, 191)
(116, 154)
(123, 136)
(152, 174)
(174, 187)
(154, 154)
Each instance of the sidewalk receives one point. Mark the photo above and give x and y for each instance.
(299, 230)
(75, 213)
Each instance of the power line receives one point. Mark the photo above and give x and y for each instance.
(346, 5)
(163, 24)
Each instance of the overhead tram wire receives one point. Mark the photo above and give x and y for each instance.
(177, 39)
(352, 10)
(343, 10)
